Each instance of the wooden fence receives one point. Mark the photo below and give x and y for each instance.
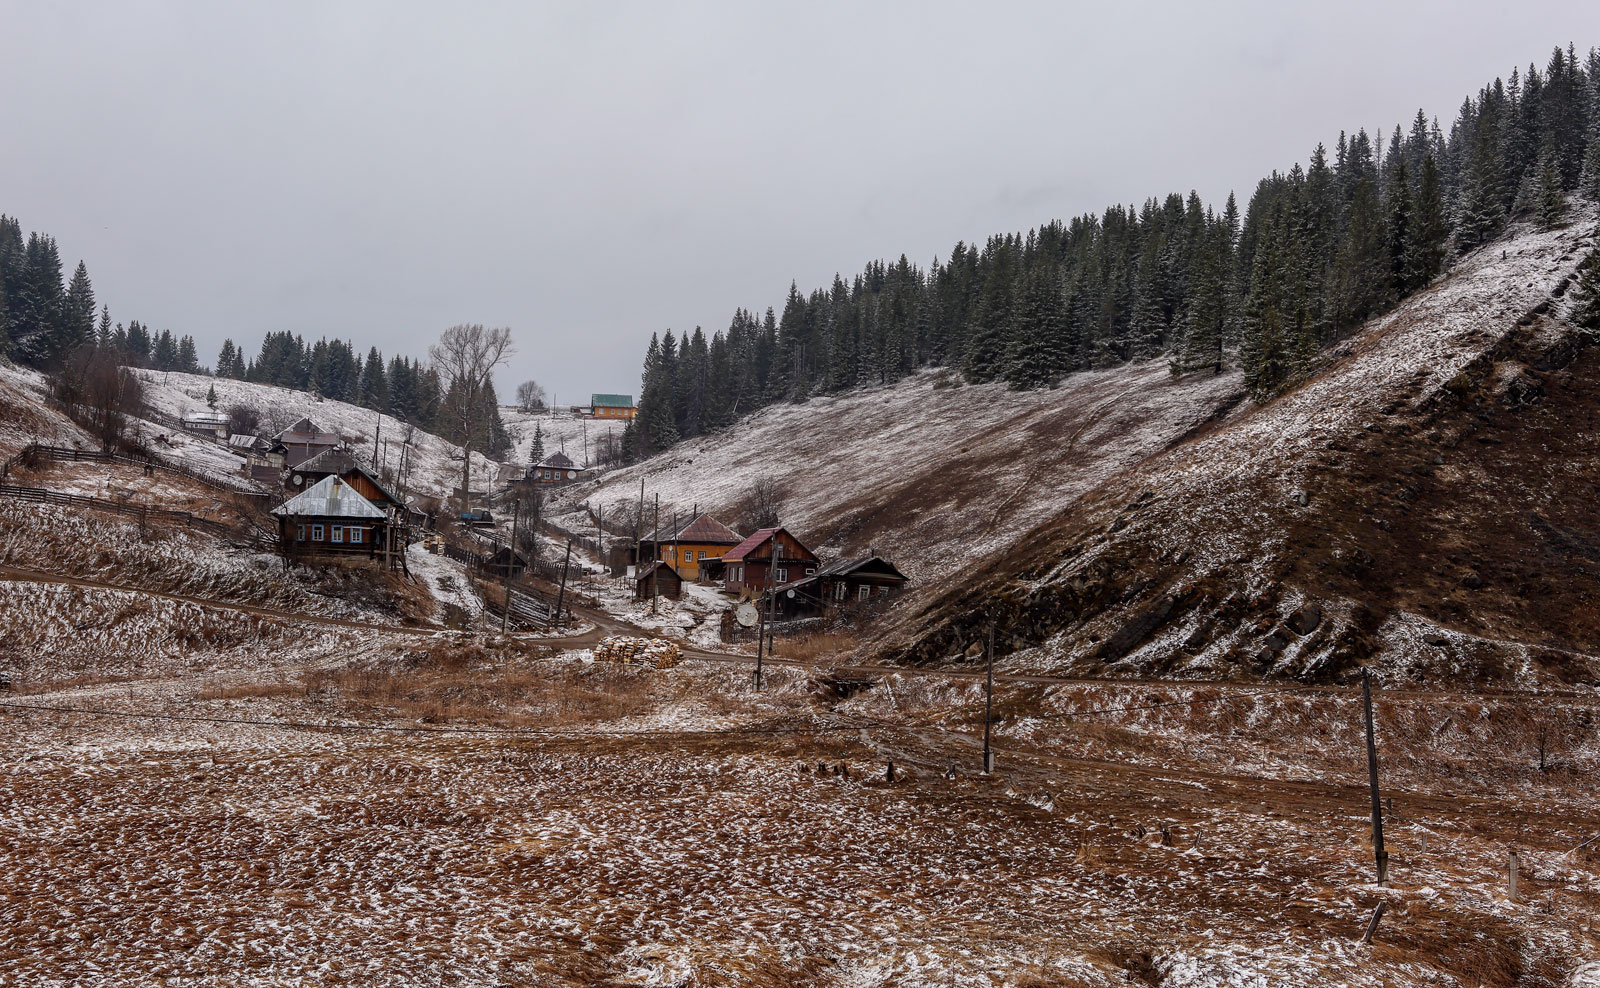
(69, 453)
(256, 539)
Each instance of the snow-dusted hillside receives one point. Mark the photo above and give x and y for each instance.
(933, 473)
(581, 439)
(1420, 504)
(25, 418)
(434, 464)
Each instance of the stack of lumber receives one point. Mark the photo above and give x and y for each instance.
(657, 653)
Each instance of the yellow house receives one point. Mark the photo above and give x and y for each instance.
(702, 539)
(611, 406)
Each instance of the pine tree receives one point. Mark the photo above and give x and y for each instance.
(1205, 337)
(211, 396)
(225, 358)
(374, 383)
(164, 356)
(1036, 356)
(103, 335)
(1268, 350)
(1399, 229)
(76, 326)
(1361, 276)
(1482, 212)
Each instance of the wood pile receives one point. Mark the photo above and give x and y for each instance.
(657, 653)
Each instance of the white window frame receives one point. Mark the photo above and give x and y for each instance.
(811, 571)
(356, 534)
(336, 534)
(863, 592)
(839, 590)
(316, 533)
(781, 574)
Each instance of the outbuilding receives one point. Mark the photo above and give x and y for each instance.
(657, 579)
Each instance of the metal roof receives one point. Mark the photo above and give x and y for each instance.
(340, 462)
(612, 401)
(744, 548)
(557, 460)
(329, 497)
(701, 528)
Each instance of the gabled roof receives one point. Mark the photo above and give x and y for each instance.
(611, 401)
(650, 569)
(844, 567)
(306, 432)
(338, 462)
(207, 416)
(702, 529)
(749, 545)
(329, 497)
(557, 461)
(242, 440)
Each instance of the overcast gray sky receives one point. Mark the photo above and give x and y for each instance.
(590, 173)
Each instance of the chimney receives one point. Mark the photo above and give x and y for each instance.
(333, 492)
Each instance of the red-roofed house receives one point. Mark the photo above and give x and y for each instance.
(769, 555)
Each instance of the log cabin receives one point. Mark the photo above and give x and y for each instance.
(331, 520)
(840, 585)
(768, 556)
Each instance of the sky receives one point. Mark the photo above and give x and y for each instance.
(590, 173)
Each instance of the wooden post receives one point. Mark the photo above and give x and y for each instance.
(1512, 868)
(561, 596)
(988, 705)
(511, 558)
(1379, 855)
(655, 557)
(761, 641)
(1372, 924)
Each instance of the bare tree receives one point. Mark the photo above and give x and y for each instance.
(243, 420)
(465, 358)
(99, 392)
(763, 503)
(530, 396)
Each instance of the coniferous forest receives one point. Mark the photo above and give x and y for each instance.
(1316, 251)
(45, 325)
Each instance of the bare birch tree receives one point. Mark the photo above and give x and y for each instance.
(465, 357)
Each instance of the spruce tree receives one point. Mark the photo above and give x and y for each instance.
(211, 396)
(1432, 229)
(1550, 206)
(374, 383)
(77, 323)
(536, 452)
(225, 358)
(1586, 296)
(102, 335)
(188, 361)
(1482, 212)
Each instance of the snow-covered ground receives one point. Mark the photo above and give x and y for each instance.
(433, 464)
(580, 438)
(696, 619)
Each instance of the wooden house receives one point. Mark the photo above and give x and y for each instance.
(769, 556)
(342, 464)
(689, 549)
(840, 585)
(331, 519)
(657, 579)
(303, 440)
(557, 469)
(264, 458)
(612, 406)
(206, 423)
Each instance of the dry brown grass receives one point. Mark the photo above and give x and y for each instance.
(823, 646)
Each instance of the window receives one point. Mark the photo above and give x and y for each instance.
(300, 536)
(702, 554)
(783, 574)
(883, 589)
(839, 591)
(811, 571)
(864, 593)
(338, 534)
(316, 533)
(355, 534)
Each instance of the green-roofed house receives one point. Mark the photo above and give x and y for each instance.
(612, 406)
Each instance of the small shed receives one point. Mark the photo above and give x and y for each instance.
(497, 561)
(657, 579)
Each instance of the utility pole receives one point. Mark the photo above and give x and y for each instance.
(511, 558)
(1378, 852)
(655, 557)
(561, 596)
(600, 531)
(761, 641)
(988, 705)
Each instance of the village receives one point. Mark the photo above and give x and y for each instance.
(675, 571)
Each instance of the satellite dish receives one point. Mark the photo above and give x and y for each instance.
(791, 593)
(298, 480)
(747, 615)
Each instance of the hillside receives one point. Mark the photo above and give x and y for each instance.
(1425, 503)
(936, 474)
(434, 463)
